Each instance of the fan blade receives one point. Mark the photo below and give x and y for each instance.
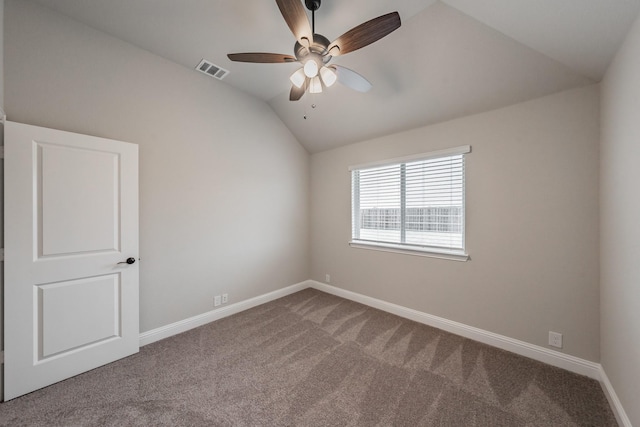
(365, 34)
(296, 18)
(263, 58)
(351, 79)
(297, 92)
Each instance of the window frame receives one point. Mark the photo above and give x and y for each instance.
(427, 251)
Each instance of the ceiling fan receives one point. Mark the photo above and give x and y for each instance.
(314, 51)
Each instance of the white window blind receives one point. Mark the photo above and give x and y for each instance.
(415, 203)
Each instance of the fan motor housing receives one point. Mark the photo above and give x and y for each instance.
(319, 47)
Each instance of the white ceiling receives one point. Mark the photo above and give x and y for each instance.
(449, 59)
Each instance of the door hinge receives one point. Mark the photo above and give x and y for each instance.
(1, 357)
(1, 254)
(2, 152)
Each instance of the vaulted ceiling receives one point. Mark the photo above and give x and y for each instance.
(449, 58)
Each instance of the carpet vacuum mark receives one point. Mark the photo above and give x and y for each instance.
(313, 359)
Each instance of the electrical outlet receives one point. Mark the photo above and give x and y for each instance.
(327, 278)
(225, 298)
(216, 301)
(555, 339)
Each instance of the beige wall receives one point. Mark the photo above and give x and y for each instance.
(532, 224)
(620, 211)
(223, 183)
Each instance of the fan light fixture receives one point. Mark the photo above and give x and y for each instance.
(298, 78)
(329, 77)
(316, 85)
(310, 68)
(314, 51)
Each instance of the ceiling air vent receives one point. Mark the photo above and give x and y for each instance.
(207, 67)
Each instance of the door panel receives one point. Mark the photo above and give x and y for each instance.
(90, 183)
(62, 309)
(71, 215)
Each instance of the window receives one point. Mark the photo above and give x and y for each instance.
(413, 204)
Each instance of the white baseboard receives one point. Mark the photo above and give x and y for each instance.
(614, 402)
(570, 363)
(210, 316)
(554, 358)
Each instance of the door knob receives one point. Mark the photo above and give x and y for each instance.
(130, 260)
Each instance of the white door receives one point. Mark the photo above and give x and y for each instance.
(71, 217)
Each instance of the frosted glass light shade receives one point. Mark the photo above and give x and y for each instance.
(316, 85)
(311, 68)
(298, 78)
(328, 76)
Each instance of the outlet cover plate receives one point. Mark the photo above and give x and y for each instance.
(555, 339)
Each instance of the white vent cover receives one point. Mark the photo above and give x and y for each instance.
(211, 69)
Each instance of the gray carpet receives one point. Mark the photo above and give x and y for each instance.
(313, 359)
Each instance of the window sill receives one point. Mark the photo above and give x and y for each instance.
(399, 249)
